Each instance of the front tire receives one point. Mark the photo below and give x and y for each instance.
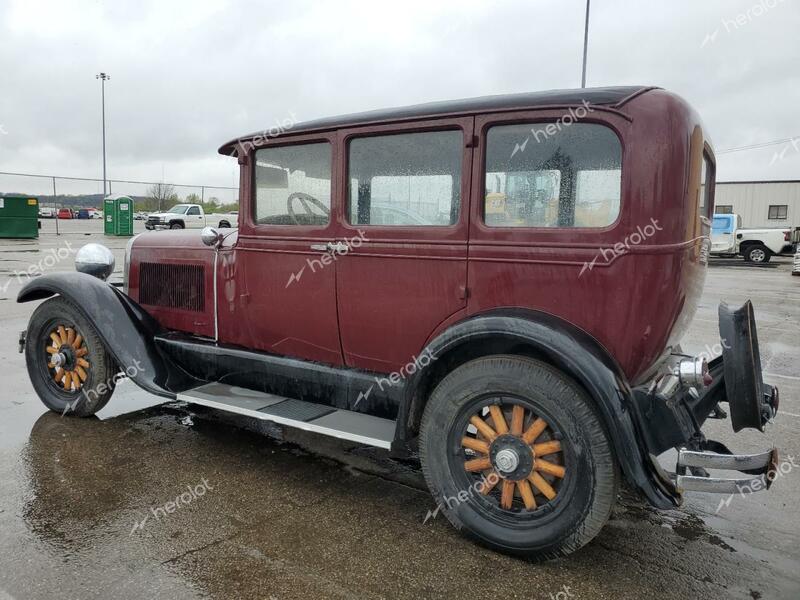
(67, 363)
(176, 225)
(517, 458)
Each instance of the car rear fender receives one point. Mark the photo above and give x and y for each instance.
(571, 350)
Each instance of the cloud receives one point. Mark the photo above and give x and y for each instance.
(188, 76)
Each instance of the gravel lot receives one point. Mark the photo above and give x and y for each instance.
(290, 515)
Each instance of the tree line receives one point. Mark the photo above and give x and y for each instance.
(162, 196)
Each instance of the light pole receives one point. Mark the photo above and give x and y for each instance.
(585, 45)
(103, 77)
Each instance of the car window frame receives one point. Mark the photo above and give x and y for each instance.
(457, 231)
(583, 238)
(542, 118)
(710, 183)
(249, 227)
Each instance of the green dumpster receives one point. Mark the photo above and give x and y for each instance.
(118, 215)
(19, 217)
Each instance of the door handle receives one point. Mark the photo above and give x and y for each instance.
(338, 247)
(334, 247)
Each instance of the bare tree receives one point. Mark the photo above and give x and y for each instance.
(161, 194)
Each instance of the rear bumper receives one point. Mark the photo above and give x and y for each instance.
(761, 470)
(676, 421)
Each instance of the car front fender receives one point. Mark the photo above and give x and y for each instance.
(126, 329)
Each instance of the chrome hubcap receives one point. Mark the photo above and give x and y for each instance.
(507, 460)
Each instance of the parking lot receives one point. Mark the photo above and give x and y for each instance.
(263, 513)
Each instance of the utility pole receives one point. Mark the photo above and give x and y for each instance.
(103, 77)
(585, 45)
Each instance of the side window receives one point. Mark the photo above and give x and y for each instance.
(405, 179)
(193, 210)
(293, 185)
(723, 209)
(548, 175)
(777, 211)
(706, 185)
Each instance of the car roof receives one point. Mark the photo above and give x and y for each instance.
(614, 96)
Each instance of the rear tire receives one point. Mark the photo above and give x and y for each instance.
(554, 508)
(757, 253)
(224, 225)
(58, 329)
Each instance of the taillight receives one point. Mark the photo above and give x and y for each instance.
(786, 236)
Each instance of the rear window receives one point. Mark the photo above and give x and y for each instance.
(706, 184)
(552, 175)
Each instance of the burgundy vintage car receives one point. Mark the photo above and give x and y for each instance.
(497, 285)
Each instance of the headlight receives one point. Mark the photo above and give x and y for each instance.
(95, 260)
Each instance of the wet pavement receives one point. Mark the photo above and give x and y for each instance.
(168, 500)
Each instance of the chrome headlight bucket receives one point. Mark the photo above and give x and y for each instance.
(95, 260)
(211, 237)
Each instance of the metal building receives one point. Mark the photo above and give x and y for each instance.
(760, 203)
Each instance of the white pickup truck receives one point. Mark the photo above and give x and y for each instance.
(190, 216)
(728, 238)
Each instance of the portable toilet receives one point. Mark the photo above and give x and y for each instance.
(118, 215)
(19, 217)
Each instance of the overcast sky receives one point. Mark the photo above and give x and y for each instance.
(187, 76)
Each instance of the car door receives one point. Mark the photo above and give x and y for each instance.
(278, 289)
(723, 234)
(401, 244)
(195, 218)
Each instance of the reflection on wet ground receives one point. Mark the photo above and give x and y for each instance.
(276, 520)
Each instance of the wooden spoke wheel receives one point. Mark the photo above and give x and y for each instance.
(68, 357)
(68, 364)
(516, 453)
(517, 456)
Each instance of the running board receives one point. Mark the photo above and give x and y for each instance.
(759, 466)
(308, 416)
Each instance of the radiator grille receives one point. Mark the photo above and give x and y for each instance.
(172, 286)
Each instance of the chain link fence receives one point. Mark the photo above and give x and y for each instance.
(56, 191)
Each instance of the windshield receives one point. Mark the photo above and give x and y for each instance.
(179, 209)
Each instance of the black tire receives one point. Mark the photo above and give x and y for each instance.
(176, 225)
(224, 225)
(93, 392)
(756, 253)
(588, 486)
